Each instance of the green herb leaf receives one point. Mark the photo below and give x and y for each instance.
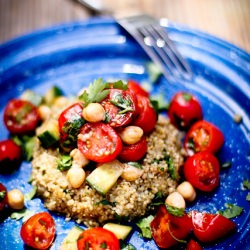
(175, 211)
(123, 103)
(171, 168)
(248, 197)
(64, 163)
(125, 246)
(231, 211)
(2, 195)
(120, 85)
(96, 92)
(31, 194)
(105, 202)
(246, 184)
(154, 72)
(103, 245)
(144, 225)
(162, 104)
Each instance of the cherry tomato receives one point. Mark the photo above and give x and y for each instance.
(39, 231)
(202, 171)
(210, 227)
(3, 197)
(135, 88)
(21, 117)
(97, 238)
(203, 136)
(99, 142)
(184, 110)
(147, 116)
(10, 155)
(193, 245)
(70, 121)
(133, 152)
(168, 229)
(120, 107)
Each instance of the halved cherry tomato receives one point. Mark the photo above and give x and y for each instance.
(193, 245)
(97, 238)
(203, 136)
(70, 121)
(99, 142)
(184, 110)
(3, 197)
(147, 116)
(39, 231)
(120, 107)
(21, 117)
(167, 229)
(10, 155)
(210, 227)
(134, 152)
(135, 88)
(202, 171)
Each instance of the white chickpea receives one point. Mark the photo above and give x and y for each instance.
(78, 159)
(15, 199)
(175, 199)
(131, 173)
(60, 101)
(131, 134)
(187, 191)
(94, 112)
(76, 176)
(44, 112)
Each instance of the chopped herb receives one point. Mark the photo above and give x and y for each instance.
(123, 103)
(22, 214)
(120, 85)
(2, 195)
(31, 194)
(144, 225)
(125, 246)
(231, 211)
(226, 164)
(103, 245)
(248, 197)
(159, 199)
(105, 202)
(64, 163)
(162, 104)
(171, 168)
(135, 164)
(154, 72)
(191, 144)
(246, 184)
(175, 211)
(96, 92)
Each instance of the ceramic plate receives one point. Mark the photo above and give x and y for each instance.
(73, 55)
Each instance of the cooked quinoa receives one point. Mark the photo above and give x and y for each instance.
(125, 199)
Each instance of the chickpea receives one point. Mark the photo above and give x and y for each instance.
(79, 160)
(175, 199)
(76, 176)
(187, 191)
(94, 112)
(15, 199)
(131, 134)
(131, 173)
(60, 101)
(44, 112)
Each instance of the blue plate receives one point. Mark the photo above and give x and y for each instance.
(73, 55)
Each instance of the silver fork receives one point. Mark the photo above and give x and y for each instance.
(154, 39)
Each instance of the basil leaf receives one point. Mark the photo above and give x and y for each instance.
(231, 211)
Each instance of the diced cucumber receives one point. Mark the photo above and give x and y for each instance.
(32, 97)
(121, 231)
(70, 241)
(49, 134)
(104, 177)
(52, 94)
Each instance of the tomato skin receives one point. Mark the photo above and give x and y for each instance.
(97, 238)
(147, 116)
(193, 245)
(38, 231)
(10, 155)
(133, 152)
(21, 117)
(184, 110)
(70, 121)
(210, 227)
(102, 144)
(203, 136)
(180, 227)
(120, 107)
(3, 197)
(202, 171)
(135, 88)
